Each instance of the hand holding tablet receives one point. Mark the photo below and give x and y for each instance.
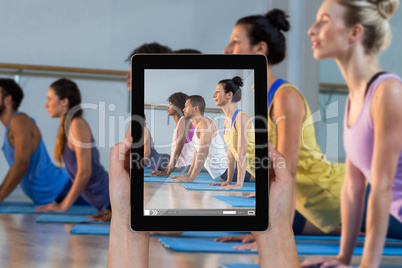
(159, 206)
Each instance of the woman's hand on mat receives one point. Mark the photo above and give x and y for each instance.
(160, 173)
(251, 246)
(230, 187)
(324, 262)
(243, 238)
(105, 215)
(51, 208)
(182, 178)
(252, 195)
(221, 183)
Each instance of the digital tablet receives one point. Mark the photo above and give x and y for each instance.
(162, 204)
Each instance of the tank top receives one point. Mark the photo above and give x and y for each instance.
(96, 192)
(43, 181)
(231, 139)
(359, 143)
(318, 181)
(215, 163)
(187, 152)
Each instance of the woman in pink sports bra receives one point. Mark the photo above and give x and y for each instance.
(354, 33)
(182, 145)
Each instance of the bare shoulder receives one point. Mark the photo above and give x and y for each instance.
(21, 121)
(388, 90)
(288, 96)
(79, 124)
(386, 101)
(80, 129)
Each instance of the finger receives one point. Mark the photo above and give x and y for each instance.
(118, 154)
(224, 239)
(312, 262)
(331, 263)
(248, 240)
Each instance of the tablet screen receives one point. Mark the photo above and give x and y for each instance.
(183, 196)
(200, 143)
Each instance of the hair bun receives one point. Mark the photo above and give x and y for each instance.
(387, 7)
(278, 19)
(238, 81)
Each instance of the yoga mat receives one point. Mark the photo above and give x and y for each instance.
(65, 219)
(336, 238)
(169, 180)
(203, 187)
(25, 209)
(198, 245)
(236, 201)
(85, 229)
(201, 175)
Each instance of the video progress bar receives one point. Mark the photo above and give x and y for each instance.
(199, 212)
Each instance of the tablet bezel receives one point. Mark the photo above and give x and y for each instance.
(258, 63)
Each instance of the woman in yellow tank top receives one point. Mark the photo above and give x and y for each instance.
(291, 129)
(239, 133)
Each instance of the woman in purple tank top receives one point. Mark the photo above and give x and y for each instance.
(76, 147)
(354, 33)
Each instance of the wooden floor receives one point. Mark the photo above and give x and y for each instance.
(24, 243)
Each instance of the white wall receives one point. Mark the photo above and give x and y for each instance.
(101, 34)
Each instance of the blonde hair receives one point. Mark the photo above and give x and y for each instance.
(374, 16)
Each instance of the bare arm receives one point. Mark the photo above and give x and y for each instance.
(289, 112)
(276, 246)
(22, 137)
(126, 248)
(183, 129)
(81, 132)
(386, 112)
(147, 144)
(242, 125)
(202, 153)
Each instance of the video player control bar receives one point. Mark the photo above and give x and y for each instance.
(199, 212)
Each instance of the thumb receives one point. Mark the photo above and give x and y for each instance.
(118, 153)
(277, 161)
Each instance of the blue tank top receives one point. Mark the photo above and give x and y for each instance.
(154, 159)
(96, 192)
(43, 181)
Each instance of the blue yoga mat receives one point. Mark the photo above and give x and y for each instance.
(236, 201)
(87, 229)
(28, 209)
(169, 180)
(201, 175)
(337, 238)
(66, 219)
(204, 187)
(198, 245)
